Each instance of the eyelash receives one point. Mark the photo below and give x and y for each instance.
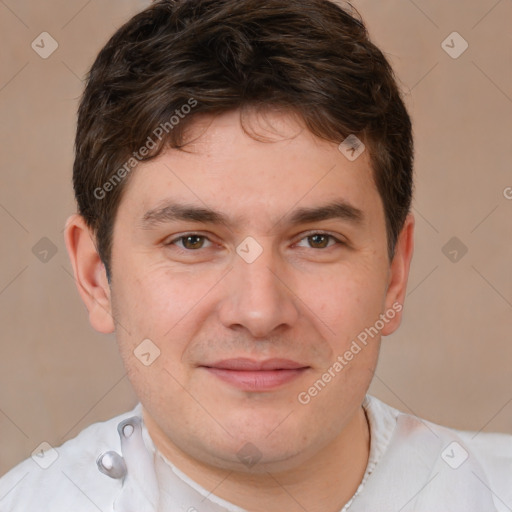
(307, 235)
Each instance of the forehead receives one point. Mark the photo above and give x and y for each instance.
(269, 165)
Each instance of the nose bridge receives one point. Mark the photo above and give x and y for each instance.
(256, 298)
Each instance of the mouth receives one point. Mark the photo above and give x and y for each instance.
(252, 375)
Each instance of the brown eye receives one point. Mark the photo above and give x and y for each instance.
(320, 241)
(190, 242)
(193, 241)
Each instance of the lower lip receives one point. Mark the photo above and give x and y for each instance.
(262, 380)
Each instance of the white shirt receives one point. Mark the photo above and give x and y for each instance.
(414, 466)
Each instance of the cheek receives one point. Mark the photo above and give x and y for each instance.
(347, 301)
(154, 302)
(350, 307)
(166, 307)
(151, 311)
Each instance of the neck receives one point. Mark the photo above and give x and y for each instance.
(324, 483)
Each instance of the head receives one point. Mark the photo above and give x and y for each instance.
(225, 213)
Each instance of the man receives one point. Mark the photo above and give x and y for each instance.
(243, 175)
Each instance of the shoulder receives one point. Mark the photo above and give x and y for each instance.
(475, 460)
(66, 477)
(494, 453)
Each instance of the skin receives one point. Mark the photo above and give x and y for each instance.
(304, 298)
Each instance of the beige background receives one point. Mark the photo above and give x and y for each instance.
(450, 361)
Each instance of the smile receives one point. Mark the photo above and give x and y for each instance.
(250, 375)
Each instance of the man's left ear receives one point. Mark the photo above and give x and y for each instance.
(398, 275)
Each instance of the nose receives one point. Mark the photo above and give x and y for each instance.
(257, 297)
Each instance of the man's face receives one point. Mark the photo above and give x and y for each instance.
(202, 292)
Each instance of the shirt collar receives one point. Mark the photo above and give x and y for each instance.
(382, 422)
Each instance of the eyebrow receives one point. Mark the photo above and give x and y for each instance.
(171, 212)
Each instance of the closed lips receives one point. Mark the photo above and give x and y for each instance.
(243, 364)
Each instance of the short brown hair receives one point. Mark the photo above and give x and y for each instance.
(310, 57)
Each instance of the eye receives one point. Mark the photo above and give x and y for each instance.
(193, 241)
(319, 240)
(189, 242)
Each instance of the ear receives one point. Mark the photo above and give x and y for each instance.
(90, 274)
(398, 275)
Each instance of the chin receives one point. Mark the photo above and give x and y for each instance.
(255, 452)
